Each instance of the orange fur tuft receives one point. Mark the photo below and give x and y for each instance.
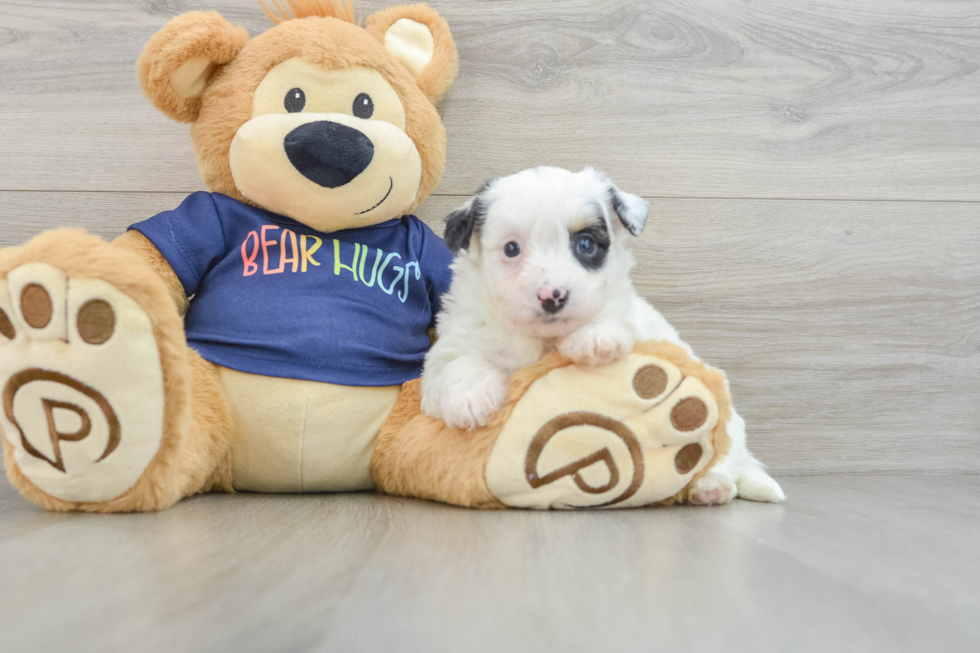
(305, 8)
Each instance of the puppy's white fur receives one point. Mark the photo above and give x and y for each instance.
(495, 322)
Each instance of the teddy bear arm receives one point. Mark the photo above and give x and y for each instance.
(137, 243)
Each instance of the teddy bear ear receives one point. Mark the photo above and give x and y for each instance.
(420, 39)
(181, 58)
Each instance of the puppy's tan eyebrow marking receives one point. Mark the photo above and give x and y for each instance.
(581, 222)
(592, 215)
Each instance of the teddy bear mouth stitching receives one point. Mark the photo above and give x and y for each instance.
(391, 184)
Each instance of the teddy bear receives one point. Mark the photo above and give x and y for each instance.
(268, 335)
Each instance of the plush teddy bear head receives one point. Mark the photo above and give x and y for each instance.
(319, 119)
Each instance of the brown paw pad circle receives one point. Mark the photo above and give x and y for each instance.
(6, 326)
(96, 321)
(36, 306)
(650, 381)
(688, 458)
(688, 414)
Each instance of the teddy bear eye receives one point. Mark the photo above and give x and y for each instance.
(363, 106)
(295, 100)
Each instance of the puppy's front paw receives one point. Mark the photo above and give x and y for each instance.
(597, 344)
(472, 403)
(712, 489)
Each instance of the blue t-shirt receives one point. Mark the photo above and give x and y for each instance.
(274, 297)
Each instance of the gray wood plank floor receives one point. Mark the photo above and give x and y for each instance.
(851, 563)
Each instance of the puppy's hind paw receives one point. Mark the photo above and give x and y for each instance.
(712, 489)
(597, 344)
(475, 402)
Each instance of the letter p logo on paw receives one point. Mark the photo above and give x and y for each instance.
(48, 446)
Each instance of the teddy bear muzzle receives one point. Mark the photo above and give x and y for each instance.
(329, 171)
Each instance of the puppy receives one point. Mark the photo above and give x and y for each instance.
(542, 263)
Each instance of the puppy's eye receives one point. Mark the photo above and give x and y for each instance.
(295, 100)
(363, 106)
(585, 245)
(512, 249)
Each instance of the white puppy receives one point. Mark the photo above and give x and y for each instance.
(543, 264)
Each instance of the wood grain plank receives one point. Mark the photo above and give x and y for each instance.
(778, 98)
(850, 563)
(850, 330)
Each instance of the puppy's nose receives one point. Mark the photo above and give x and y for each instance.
(327, 153)
(552, 299)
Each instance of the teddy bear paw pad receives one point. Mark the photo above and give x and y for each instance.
(81, 383)
(636, 436)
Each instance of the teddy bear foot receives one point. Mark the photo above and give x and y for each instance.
(644, 429)
(82, 383)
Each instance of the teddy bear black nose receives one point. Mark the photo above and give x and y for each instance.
(328, 153)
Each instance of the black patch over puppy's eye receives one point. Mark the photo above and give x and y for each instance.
(591, 245)
(295, 100)
(363, 106)
(512, 249)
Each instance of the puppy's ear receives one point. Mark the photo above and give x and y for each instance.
(631, 209)
(179, 61)
(420, 39)
(462, 223)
